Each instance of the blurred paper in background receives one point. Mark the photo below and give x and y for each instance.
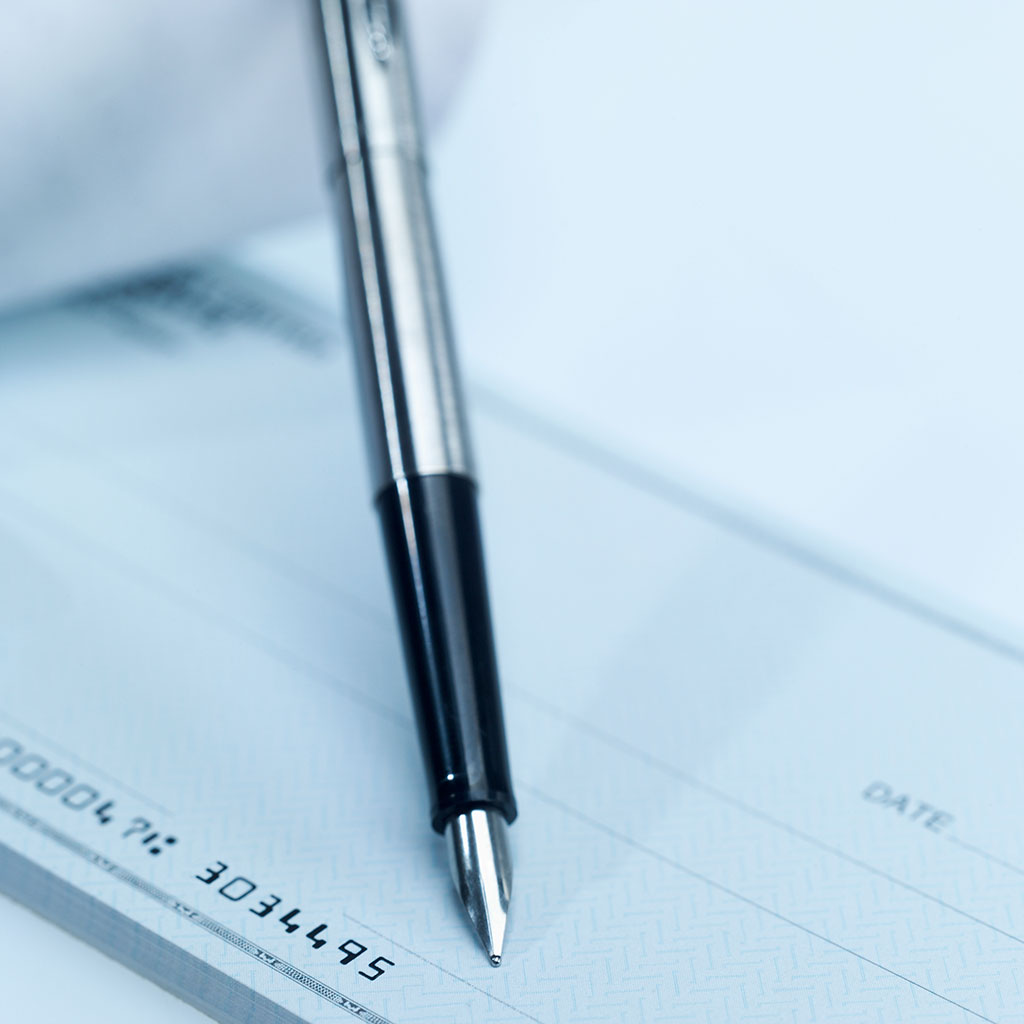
(138, 133)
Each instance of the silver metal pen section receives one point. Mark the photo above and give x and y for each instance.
(481, 863)
(405, 355)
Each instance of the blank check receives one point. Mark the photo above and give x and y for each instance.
(755, 784)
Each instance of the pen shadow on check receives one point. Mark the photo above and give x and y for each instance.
(698, 664)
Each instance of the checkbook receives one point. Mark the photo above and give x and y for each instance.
(755, 783)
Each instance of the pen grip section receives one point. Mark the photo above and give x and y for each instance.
(435, 555)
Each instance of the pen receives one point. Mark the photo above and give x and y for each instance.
(420, 458)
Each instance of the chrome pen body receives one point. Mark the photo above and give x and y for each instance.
(420, 456)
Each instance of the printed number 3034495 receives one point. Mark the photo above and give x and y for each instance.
(239, 889)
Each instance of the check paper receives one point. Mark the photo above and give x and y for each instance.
(754, 784)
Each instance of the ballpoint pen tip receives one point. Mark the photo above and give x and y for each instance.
(482, 870)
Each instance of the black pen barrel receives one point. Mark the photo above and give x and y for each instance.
(435, 554)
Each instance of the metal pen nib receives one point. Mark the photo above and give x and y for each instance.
(481, 864)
